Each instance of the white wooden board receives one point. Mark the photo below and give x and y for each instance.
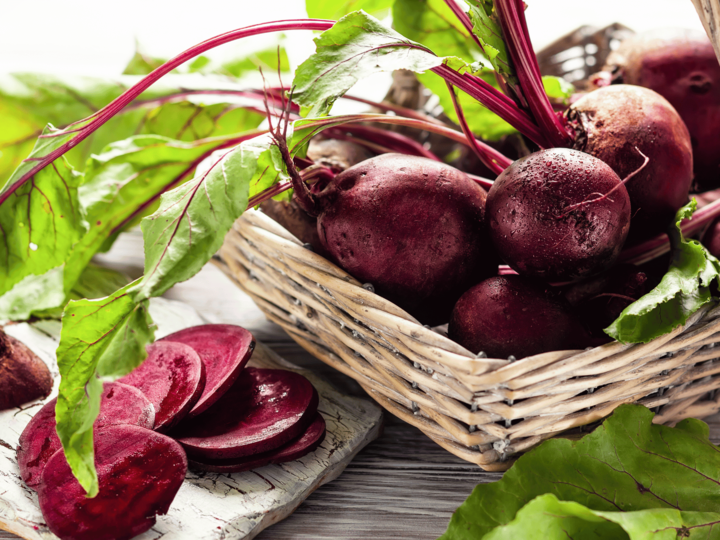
(209, 505)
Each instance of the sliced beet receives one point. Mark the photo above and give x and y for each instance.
(224, 349)
(120, 404)
(23, 376)
(139, 474)
(263, 410)
(172, 377)
(295, 449)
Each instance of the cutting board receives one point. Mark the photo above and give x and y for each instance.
(209, 506)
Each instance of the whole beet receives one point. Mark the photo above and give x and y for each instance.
(23, 376)
(612, 124)
(681, 66)
(513, 315)
(549, 217)
(412, 227)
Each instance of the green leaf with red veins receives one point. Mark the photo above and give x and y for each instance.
(488, 31)
(98, 338)
(39, 224)
(336, 9)
(191, 223)
(625, 465)
(355, 48)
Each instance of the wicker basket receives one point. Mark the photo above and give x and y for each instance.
(483, 410)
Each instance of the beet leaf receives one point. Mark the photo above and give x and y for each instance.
(490, 35)
(626, 465)
(683, 290)
(334, 9)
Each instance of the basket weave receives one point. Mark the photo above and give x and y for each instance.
(483, 410)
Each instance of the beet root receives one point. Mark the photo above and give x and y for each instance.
(558, 215)
(618, 122)
(512, 315)
(336, 154)
(119, 404)
(139, 474)
(298, 222)
(263, 410)
(295, 449)
(172, 377)
(224, 350)
(681, 66)
(410, 226)
(23, 376)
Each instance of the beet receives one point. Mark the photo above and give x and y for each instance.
(548, 217)
(612, 124)
(263, 410)
(139, 474)
(23, 376)
(172, 377)
(681, 66)
(410, 226)
(336, 154)
(120, 404)
(224, 350)
(513, 315)
(296, 221)
(711, 238)
(295, 449)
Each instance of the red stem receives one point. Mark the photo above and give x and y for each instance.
(511, 15)
(490, 157)
(396, 142)
(110, 110)
(464, 20)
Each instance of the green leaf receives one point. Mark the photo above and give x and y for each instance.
(142, 64)
(34, 293)
(98, 282)
(93, 333)
(627, 464)
(547, 518)
(39, 224)
(683, 290)
(192, 220)
(356, 47)
(334, 9)
(488, 31)
(558, 88)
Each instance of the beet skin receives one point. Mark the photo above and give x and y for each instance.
(23, 376)
(612, 124)
(681, 66)
(512, 315)
(410, 226)
(548, 216)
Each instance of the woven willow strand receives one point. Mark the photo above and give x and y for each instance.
(484, 410)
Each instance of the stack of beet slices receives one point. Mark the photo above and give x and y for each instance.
(194, 388)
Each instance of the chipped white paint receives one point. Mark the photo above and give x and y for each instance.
(209, 506)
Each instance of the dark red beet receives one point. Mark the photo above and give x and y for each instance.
(335, 154)
(23, 376)
(172, 377)
(410, 226)
(224, 350)
(120, 404)
(139, 474)
(298, 222)
(512, 315)
(711, 238)
(548, 218)
(612, 123)
(681, 66)
(295, 449)
(263, 410)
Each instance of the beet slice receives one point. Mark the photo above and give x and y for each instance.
(139, 474)
(295, 449)
(172, 377)
(224, 349)
(120, 404)
(23, 376)
(263, 410)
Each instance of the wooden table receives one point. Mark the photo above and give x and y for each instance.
(402, 486)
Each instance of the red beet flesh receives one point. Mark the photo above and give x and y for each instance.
(410, 226)
(548, 218)
(612, 124)
(172, 377)
(263, 410)
(224, 350)
(681, 66)
(295, 449)
(139, 474)
(120, 404)
(512, 315)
